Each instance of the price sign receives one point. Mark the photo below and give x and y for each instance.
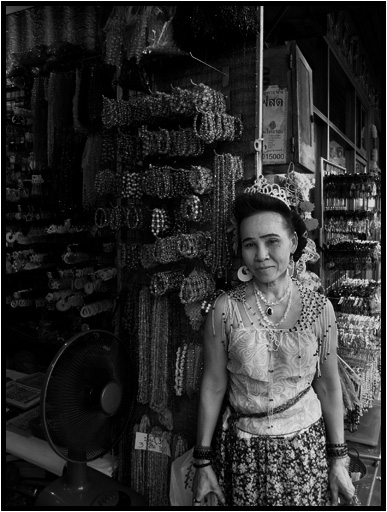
(152, 443)
(275, 104)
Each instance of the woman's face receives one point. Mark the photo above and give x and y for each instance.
(266, 245)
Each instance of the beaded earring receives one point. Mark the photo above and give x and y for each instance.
(291, 266)
(244, 274)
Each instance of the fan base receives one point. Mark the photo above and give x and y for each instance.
(98, 490)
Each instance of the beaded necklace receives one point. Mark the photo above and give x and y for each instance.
(269, 310)
(144, 339)
(159, 355)
(275, 337)
(226, 172)
(306, 297)
(157, 471)
(139, 459)
(264, 320)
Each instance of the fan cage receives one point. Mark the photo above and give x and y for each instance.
(75, 425)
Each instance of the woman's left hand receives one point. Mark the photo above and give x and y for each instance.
(340, 482)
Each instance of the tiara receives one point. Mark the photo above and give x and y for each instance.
(261, 186)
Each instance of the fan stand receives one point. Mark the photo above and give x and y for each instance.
(81, 485)
(96, 366)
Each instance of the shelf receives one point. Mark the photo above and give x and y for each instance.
(348, 71)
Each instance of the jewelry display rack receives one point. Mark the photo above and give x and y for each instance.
(59, 276)
(351, 260)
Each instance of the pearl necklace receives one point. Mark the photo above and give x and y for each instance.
(269, 309)
(264, 318)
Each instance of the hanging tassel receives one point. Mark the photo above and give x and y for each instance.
(350, 395)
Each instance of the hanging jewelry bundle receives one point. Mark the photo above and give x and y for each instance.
(188, 368)
(197, 286)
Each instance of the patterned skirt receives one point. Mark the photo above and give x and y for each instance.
(273, 471)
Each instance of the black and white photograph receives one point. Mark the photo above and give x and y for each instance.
(193, 255)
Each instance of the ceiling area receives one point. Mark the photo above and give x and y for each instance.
(303, 20)
(286, 21)
(9, 9)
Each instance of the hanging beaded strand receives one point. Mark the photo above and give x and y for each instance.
(157, 472)
(139, 481)
(159, 354)
(144, 338)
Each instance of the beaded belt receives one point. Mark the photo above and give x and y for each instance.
(236, 415)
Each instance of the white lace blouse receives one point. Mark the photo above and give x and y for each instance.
(266, 371)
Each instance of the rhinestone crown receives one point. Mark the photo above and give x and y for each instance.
(273, 190)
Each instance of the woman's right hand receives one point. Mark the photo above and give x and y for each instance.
(205, 482)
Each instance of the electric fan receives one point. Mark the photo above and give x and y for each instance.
(86, 402)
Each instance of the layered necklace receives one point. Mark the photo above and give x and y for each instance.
(269, 311)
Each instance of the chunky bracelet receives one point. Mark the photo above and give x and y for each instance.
(341, 445)
(337, 451)
(205, 464)
(203, 452)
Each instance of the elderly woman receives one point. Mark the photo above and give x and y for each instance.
(270, 345)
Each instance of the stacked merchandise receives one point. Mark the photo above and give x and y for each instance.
(172, 218)
(168, 199)
(352, 250)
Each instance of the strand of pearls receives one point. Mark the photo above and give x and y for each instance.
(179, 369)
(269, 310)
(264, 318)
(268, 303)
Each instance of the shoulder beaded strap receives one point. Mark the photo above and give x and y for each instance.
(326, 332)
(230, 313)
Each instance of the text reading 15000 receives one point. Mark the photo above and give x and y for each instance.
(274, 156)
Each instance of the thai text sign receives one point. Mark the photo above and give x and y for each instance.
(274, 123)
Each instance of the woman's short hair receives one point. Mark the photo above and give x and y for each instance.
(248, 204)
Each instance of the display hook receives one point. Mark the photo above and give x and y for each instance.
(208, 65)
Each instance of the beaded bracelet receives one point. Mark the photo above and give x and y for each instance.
(203, 452)
(197, 286)
(168, 281)
(205, 464)
(337, 451)
(160, 221)
(166, 249)
(104, 221)
(147, 256)
(191, 209)
(200, 179)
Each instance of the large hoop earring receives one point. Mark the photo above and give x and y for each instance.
(244, 274)
(291, 266)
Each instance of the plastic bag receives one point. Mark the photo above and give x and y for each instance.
(182, 473)
(180, 490)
